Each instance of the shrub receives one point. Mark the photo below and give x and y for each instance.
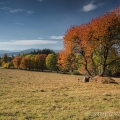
(116, 74)
(76, 72)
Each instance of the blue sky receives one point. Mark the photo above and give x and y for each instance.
(26, 24)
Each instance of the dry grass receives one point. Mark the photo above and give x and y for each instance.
(26, 95)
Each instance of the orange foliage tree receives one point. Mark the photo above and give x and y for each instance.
(17, 61)
(25, 63)
(28, 62)
(95, 38)
(76, 41)
(66, 61)
(107, 36)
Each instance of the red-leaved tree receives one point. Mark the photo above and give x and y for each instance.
(93, 39)
(17, 61)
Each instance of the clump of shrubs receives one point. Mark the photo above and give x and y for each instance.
(75, 72)
(116, 74)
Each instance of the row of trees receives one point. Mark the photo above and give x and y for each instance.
(36, 60)
(94, 46)
(32, 62)
(50, 62)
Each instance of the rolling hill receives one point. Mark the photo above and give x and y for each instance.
(15, 52)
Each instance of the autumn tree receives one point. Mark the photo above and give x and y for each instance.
(40, 61)
(25, 63)
(32, 61)
(95, 38)
(77, 39)
(17, 61)
(8, 65)
(51, 62)
(107, 36)
(28, 62)
(66, 61)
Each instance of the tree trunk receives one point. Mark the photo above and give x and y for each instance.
(102, 70)
(86, 63)
(94, 66)
(105, 56)
(86, 66)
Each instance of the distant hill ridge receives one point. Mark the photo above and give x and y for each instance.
(14, 53)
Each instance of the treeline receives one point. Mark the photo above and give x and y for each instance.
(45, 59)
(59, 62)
(43, 51)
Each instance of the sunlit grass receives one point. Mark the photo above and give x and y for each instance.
(26, 95)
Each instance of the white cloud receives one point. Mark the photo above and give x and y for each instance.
(28, 42)
(11, 10)
(30, 12)
(56, 37)
(89, 7)
(16, 10)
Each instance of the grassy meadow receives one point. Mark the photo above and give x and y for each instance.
(30, 95)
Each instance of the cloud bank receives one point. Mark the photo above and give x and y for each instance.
(28, 42)
(16, 10)
(11, 10)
